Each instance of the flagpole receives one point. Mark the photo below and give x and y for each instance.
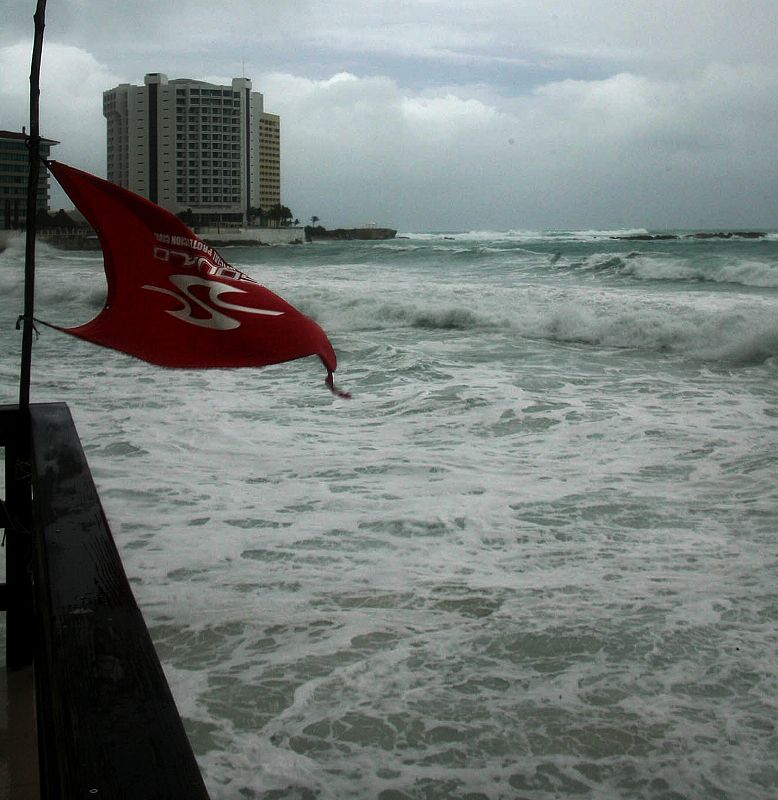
(33, 143)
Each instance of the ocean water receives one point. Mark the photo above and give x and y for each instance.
(533, 557)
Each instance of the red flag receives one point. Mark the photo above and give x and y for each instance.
(173, 300)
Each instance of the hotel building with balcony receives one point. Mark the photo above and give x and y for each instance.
(193, 147)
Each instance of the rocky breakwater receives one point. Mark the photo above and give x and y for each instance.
(320, 234)
(653, 237)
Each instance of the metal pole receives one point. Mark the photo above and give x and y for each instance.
(19, 621)
(32, 209)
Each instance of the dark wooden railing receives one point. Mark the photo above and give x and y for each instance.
(108, 725)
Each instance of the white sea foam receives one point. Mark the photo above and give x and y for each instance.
(531, 558)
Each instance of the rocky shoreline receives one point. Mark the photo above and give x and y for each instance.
(319, 234)
(655, 237)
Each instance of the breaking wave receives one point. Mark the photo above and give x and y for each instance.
(663, 267)
(735, 336)
(524, 235)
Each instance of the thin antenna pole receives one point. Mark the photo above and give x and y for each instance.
(34, 142)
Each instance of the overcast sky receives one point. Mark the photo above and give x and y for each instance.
(450, 114)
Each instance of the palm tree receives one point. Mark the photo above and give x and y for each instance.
(281, 215)
(314, 220)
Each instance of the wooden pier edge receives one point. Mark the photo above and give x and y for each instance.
(16, 522)
(108, 724)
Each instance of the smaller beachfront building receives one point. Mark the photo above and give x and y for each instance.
(14, 171)
(269, 160)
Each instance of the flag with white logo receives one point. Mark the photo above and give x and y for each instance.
(173, 300)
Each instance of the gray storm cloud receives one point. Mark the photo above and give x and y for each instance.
(453, 115)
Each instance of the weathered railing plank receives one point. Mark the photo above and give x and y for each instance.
(17, 524)
(109, 725)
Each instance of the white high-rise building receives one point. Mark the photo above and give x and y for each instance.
(188, 145)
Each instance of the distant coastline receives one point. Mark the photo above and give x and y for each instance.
(82, 237)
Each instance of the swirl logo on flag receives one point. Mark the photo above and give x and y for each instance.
(216, 319)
